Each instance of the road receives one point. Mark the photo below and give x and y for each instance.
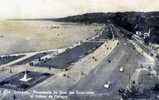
(124, 55)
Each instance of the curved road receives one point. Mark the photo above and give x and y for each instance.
(124, 55)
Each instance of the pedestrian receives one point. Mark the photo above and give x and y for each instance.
(14, 96)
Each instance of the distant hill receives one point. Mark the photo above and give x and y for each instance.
(88, 18)
(131, 21)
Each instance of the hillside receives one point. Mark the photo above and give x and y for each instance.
(131, 21)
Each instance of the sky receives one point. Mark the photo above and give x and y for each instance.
(62, 8)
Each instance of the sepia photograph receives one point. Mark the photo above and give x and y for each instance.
(79, 50)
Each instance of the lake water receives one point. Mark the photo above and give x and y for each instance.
(27, 36)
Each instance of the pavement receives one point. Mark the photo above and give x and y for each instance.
(124, 56)
(88, 75)
(85, 65)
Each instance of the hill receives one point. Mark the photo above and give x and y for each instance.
(131, 21)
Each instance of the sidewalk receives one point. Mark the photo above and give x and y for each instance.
(62, 80)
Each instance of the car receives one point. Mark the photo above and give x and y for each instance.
(107, 85)
(121, 69)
